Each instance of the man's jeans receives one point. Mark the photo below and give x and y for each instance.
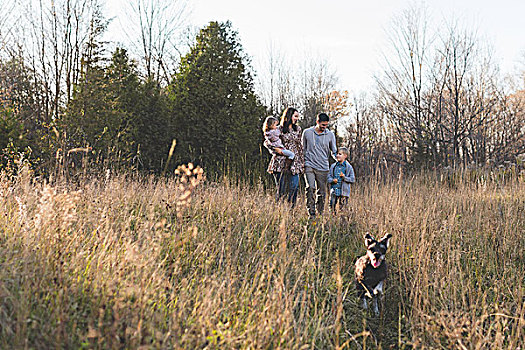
(316, 185)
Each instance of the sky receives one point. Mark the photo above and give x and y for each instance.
(352, 34)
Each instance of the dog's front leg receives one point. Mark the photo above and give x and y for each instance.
(364, 304)
(378, 294)
(375, 307)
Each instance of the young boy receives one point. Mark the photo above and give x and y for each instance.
(340, 177)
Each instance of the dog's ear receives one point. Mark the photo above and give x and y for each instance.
(386, 239)
(368, 239)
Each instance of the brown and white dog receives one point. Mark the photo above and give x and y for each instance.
(371, 270)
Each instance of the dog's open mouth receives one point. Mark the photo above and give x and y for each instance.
(376, 263)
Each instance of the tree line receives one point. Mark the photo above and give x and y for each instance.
(71, 101)
(440, 102)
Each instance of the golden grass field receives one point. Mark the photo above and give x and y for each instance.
(129, 262)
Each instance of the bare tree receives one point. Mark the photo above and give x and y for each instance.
(403, 84)
(468, 98)
(277, 81)
(6, 12)
(506, 137)
(54, 38)
(309, 86)
(522, 71)
(439, 95)
(153, 28)
(317, 80)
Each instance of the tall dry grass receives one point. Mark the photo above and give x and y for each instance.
(128, 263)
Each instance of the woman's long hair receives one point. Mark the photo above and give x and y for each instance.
(286, 120)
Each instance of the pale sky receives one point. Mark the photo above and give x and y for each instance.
(351, 34)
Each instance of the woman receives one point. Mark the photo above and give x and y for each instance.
(286, 172)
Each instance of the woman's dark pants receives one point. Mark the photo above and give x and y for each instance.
(287, 185)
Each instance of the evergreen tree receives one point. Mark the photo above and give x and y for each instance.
(121, 118)
(143, 111)
(153, 127)
(102, 113)
(89, 119)
(21, 131)
(124, 97)
(216, 114)
(13, 142)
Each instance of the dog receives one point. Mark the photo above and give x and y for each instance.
(371, 270)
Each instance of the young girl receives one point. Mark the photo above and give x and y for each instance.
(272, 136)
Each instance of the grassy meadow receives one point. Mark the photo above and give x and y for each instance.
(128, 262)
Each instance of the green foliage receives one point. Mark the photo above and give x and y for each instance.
(101, 113)
(153, 127)
(122, 121)
(18, 89)
(215, 112)
(121, 118)
(11, 130)
(21, 127)
(13, 143)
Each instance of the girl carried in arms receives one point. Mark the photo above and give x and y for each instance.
(272, 138)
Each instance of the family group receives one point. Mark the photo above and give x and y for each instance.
(295, 152)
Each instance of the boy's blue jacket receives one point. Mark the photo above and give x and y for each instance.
(349, 178)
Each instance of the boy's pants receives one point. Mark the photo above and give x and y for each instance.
(342, 200)
(316, 185)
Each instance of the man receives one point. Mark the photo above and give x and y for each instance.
(319, 145)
